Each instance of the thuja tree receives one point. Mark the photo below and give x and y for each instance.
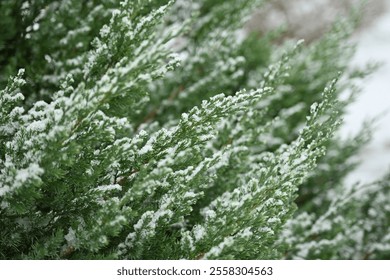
(155, 130)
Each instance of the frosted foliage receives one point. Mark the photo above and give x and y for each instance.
(159, 130)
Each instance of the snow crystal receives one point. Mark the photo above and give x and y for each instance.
(104, 31)
(184, 117)
(246, 233)
(313, 107)
(145, 149)
(196, 118)
(196, 171)
(35, 27)
(199, 232)
(217, 250)
(14, 97)
(38, 126)
(16, 112)
(40, 105)
(141, 221)
(187, 240)
(23, 175)
(106, 188)
(189, 194)
(208, 213)
(266, 230)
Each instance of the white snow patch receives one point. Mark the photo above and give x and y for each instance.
(109, 188)
(199, 232)
(373, 45)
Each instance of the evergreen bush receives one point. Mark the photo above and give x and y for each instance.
(155, 130)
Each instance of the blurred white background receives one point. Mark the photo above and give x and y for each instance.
(373, 45)
(308, 19)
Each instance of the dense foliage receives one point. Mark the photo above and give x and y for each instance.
(156, 130)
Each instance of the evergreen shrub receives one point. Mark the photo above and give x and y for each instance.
(153, 129)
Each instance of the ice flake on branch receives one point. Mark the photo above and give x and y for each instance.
(191, 127)
(277, 72)
(125, 38)
(108, 222)
(108, 188)
(333, 231)
(9, 97)
(165, 173)
(184, 187)
(144, 229)
(56, 123)
(221, 67)
(220, 106)
(199, 232)
(214, 64)
(122, 76)
(20, 177)
(196, 126)
(268, 200)
(254, 126)
(217, 251)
